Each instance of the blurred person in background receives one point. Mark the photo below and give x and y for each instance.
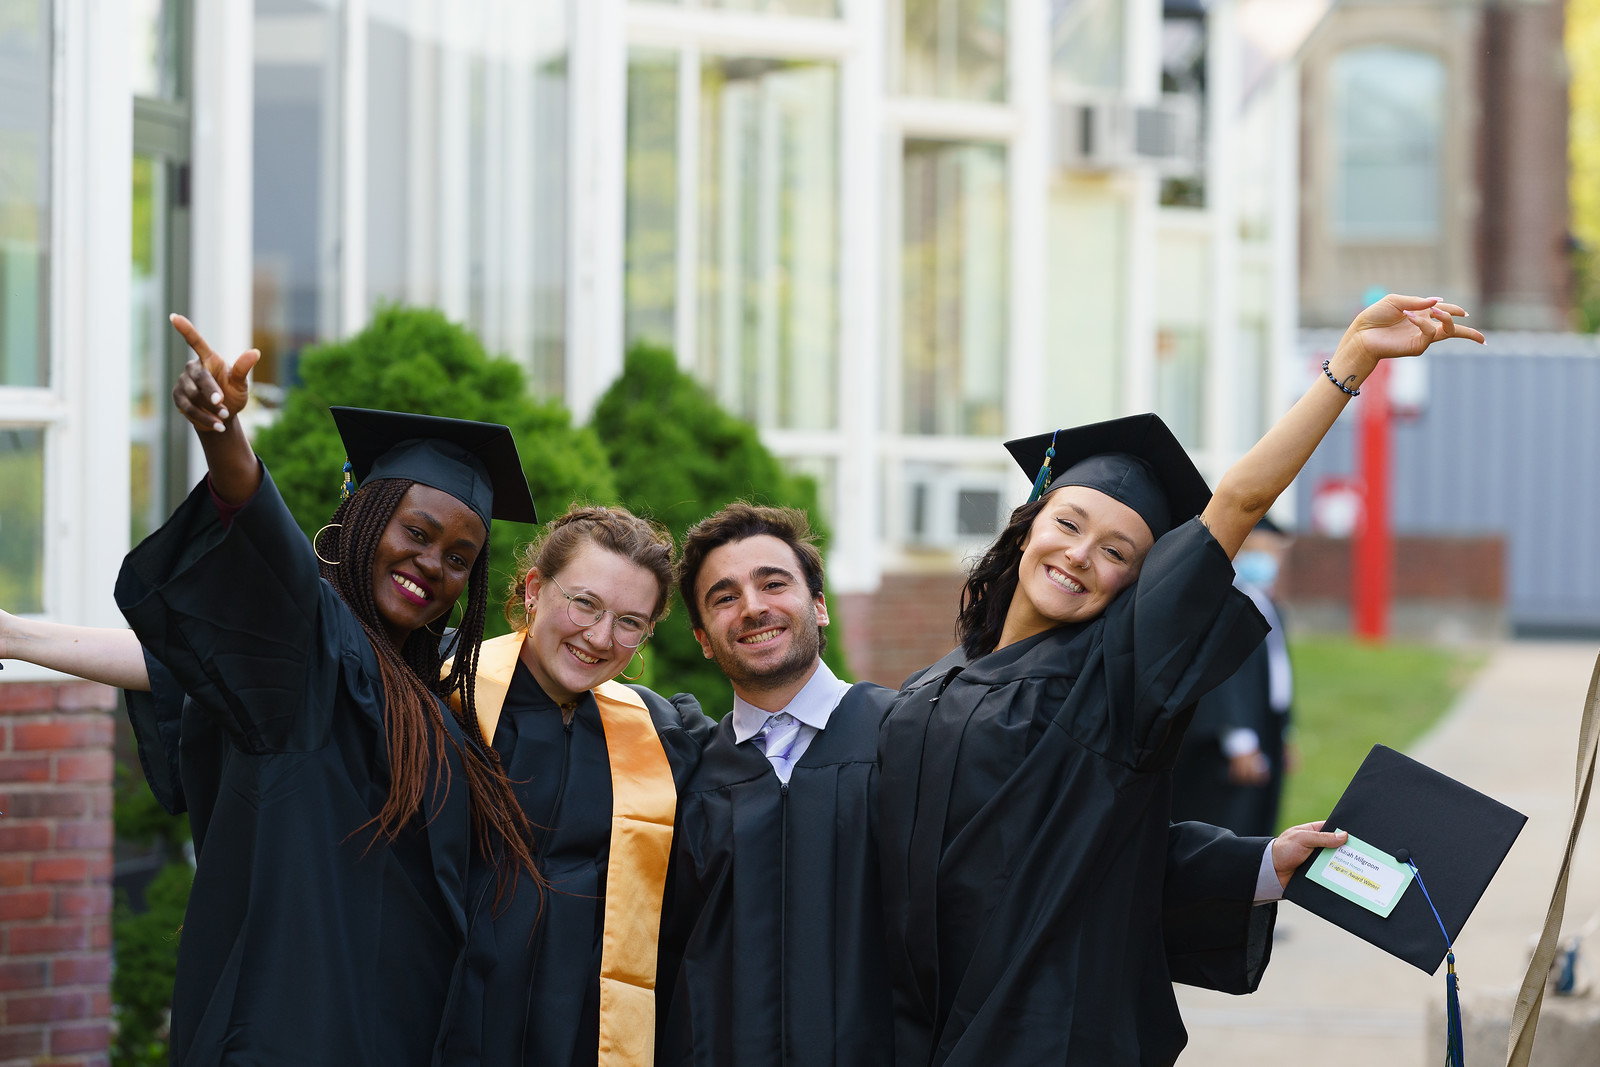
(1231, 765)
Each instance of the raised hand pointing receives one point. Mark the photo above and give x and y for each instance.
(209, 392)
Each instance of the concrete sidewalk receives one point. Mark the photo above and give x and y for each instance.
(1331, 999)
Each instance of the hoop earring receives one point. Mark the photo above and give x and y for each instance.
(635, 677)
(318, 534)
(447, 626)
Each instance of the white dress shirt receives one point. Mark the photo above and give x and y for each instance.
(810, 709)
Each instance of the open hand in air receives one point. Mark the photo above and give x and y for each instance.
(1405, 326)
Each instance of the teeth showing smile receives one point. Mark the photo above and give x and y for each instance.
(409, 586)
(582, 657)
(760, 638)
(1061, 579)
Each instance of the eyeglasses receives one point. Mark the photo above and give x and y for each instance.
(629, 631)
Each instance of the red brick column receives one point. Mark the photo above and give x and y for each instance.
(55, 874)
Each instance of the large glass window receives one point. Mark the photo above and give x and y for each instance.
(953, 286)
(1087, 46)
(651, 245)
(954, 48)
(22, 519)
(155, 40)
(768, 281)
(1182, 319)
(296, 182)
(466, 198)
(24, 192)
(1085, 302)
(1388, 116)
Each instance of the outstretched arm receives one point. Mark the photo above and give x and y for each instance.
(98, 654)
(1395, 326)
(210, 393)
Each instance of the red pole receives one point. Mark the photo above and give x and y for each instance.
(1372, 551)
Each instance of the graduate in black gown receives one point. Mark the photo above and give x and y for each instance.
(1025, 779)
(561, 974)
(772, 946)
(347, 803)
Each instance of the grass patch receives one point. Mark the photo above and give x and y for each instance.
(1350, 696)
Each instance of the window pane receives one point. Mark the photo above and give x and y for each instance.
(953, 286)
(1183, 261)
(24, 192)
(148, 338)
(296, 183)
(768, 326)
(153, 46)
(1085, 305)
(954, 48)
(1087, 43)
(651, 272)
(22, 520)
(456, 218)
(1389, 108)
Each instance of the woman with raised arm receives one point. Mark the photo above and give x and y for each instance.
(328, 923)
(1039, 903)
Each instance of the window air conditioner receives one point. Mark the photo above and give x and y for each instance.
(1115, 135)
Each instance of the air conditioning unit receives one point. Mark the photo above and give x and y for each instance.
(1104, 135)
(953, 508)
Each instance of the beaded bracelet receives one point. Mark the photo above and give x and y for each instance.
(1342, 387)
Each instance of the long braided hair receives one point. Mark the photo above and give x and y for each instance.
(412, 690)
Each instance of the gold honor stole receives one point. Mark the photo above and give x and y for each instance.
(644, 801)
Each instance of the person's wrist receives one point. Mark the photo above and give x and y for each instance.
(1350, 364)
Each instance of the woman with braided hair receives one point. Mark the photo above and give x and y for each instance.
(349, 813)
(596, 766)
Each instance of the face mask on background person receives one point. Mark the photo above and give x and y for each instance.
(1259, 569)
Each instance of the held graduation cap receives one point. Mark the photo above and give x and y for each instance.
(475, 462)
(1135, 460)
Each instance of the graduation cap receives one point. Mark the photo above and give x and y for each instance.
(475, 462)
(1135, 460)
(1423, 848)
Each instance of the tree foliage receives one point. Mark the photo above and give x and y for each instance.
(1583, 64)
(678, 456)
(413, 359)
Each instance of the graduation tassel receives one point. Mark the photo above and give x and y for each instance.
(1453, 1040)
(348, 487)
(1041, 481)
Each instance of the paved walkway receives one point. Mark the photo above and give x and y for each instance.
(1332, 999)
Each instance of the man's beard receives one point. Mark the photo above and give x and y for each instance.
(803, 653)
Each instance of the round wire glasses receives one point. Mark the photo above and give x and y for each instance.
(629, 631)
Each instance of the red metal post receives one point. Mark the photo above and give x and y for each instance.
(1372, 550)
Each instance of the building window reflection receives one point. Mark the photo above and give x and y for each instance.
(953, 286)
(22, 521)
(1087, 42)
(950, 48)
(1388, 112)
(25, 45)
(768, 240)
(650, 279)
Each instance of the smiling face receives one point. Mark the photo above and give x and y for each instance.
(424, 559)
(759, 621)
(566, 658)
(1081, 551)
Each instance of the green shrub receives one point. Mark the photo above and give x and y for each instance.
(678, 457)
(413, 359)
(146, 963)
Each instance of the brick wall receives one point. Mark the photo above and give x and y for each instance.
(907, 624)
(55, 873)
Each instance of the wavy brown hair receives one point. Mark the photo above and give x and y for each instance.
(991, 583)
(415, 695)
(638, 540)
(740, 521)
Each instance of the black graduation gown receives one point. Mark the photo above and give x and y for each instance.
(1201, 788)
(533, 994)
(774, 915)
(1026, 842)
(304, 941)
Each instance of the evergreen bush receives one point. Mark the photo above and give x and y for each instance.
(415, 359)
(678, 456)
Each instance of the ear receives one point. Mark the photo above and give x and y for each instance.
(822, 611)
(705, 645)
(530, 589)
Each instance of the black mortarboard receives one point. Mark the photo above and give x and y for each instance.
(1135, 460)
(1454, 835)
(475, 462)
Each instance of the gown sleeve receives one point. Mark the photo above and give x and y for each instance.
(1216, 936)
(1177, 634)
(156, 717)
(241, 619)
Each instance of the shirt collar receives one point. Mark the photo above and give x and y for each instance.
(812, 705)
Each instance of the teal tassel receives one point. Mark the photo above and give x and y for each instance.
(348, 488)
(1042, 481)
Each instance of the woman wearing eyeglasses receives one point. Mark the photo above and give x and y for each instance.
(596, 765)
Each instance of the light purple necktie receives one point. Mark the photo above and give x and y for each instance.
(777, 739)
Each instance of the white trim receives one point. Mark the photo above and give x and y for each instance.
(1028, 173)
(1220, 417)
(686, 310)
(353, 310)
(32, 407)
(921, 118)
(1285, 328)
(778, 36)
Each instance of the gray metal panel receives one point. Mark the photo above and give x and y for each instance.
(1506, 443)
